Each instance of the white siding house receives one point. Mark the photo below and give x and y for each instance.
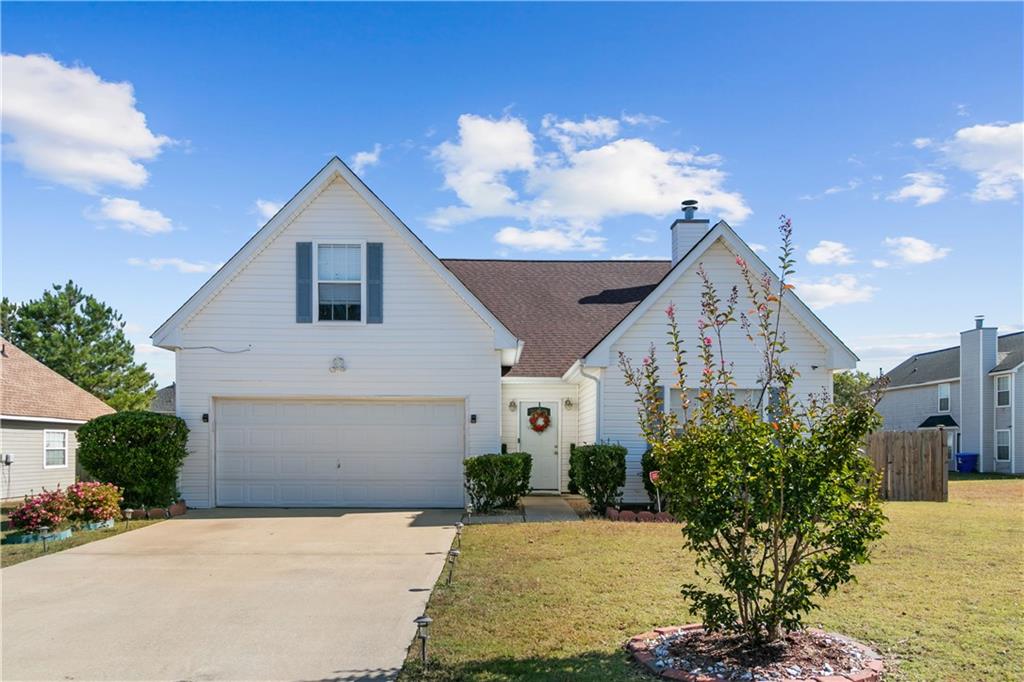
(443, 359)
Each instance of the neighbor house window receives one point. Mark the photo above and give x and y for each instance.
(1003, 445)
(943, 397)
(1003, 391)
(339, 282)
(55, 449)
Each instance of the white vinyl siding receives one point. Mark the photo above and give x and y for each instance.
(944, 398)
(55, 449)
(433, 345)
(806, 351)
(25, 443)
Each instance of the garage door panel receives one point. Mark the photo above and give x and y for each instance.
(339, 453)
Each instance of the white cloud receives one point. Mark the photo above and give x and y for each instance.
(835, 290)
(922, 142)
(179, 264)
(363, 160)
(827, 252)
(499, 169)
(570, 134)
(548, 240)
(646, 236)
(962, 110)
(267, 209)
(994, 153)
(835, 189)
(648, 120)
(757, 248)
(924, 187)
(879, 263)
(68, 125)
(130, 215)
(633, 256)
(913, 250)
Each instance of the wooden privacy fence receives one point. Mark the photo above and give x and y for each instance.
(914, 464)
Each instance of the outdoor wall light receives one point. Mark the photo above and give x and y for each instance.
(337, 365)
(568, 403)
(512, 405)
(422, 623)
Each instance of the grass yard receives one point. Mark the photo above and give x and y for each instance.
(942, 600)
(15, 554)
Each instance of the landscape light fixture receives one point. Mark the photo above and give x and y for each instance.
(127, 517)
(458, 532)
(453, 554)
(422, 623)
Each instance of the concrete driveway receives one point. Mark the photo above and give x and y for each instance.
(242, 595)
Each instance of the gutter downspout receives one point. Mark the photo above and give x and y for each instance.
(598, 399)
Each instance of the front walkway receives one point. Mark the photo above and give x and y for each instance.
(246, 594)
(534, 509)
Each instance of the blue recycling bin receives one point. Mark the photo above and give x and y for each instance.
(967, 462)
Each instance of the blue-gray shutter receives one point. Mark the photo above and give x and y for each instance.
(303, 281)
(374, 283)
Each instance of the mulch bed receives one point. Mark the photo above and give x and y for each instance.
(689, 653)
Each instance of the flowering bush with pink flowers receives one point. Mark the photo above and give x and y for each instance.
(50, 509)
(91, 501)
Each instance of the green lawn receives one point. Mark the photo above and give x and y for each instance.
(15, 554)
(942, 600)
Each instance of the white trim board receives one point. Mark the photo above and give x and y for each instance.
(839, 355)
(46, 420)
(168, 334)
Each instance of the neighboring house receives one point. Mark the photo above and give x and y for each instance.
(975, 391)
(163, 401)
(40, 412)
(336, 361)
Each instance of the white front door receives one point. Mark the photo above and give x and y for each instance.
(538, 435)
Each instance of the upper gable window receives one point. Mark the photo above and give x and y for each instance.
(339, 282)
(943, 397)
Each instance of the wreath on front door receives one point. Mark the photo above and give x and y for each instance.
(540, 419)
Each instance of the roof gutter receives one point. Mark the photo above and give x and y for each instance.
(598, 398)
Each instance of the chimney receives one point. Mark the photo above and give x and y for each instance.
(687, 231)
(979, 350)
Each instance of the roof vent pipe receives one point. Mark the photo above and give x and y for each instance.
(687, 231)
(979, 321)
(689, 208)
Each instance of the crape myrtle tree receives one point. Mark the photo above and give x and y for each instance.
(776, 498)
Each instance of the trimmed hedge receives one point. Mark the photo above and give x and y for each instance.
(599, 472)
(141, 452)
(497, 481)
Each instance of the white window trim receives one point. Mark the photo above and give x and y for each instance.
(949, 397)
(66, 448)
(1009, 444)
(316, 280)
(1009, 390)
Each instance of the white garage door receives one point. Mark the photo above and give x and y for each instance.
(332, 453)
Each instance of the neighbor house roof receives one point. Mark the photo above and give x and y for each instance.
(30, 389)
(164, 401)
(560, 309)
(944, 364)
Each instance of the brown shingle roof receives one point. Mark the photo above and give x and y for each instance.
(559, 309)
(28, 388)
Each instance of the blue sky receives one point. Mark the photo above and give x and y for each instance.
(139, 139)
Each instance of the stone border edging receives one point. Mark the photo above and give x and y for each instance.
(638, 647)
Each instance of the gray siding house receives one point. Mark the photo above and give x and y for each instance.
(974, 391)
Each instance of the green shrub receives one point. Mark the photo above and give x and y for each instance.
(497, 481)
(600, 472)
(140, 452)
